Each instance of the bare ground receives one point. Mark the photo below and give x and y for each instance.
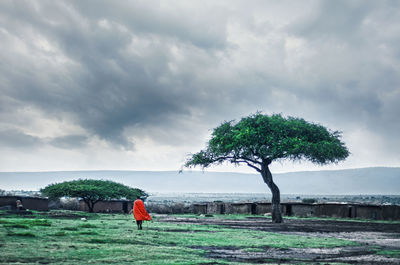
(370, 236)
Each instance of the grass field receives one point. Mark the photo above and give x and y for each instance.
(61, 237)
(245, 216)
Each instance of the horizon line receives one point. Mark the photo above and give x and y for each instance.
(189, 171)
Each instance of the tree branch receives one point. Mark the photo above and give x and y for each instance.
(251, 160)
(232, 157)
(248, 161)
(256, 168)
(249, 164)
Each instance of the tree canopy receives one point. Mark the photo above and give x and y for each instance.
(258, 140)
(92, 191)
(260, 137)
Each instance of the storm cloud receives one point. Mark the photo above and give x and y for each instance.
(138, 79)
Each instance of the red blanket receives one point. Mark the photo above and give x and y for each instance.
(139, 211)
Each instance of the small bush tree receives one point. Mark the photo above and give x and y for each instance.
(92, 191)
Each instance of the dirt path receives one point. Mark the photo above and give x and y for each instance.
(369, 235)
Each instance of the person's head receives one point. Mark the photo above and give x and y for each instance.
(138, 197)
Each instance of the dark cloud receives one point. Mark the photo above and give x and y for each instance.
(162, 19)
(69, 141)
(335, 20)
(134, 69)
(16, 139)
(356, 62)
(116, 64)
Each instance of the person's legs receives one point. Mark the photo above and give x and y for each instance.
(139, 224)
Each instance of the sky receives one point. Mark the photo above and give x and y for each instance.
(139, 85)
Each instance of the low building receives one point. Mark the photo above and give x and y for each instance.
(298, 209)
(378, 212)
(200, 208)
(336, 210)
(391, 212)
(215, 208)
(240, 208)
(263, 207)
(28, 203)
(112, 206)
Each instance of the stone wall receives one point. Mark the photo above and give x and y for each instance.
(391, 212)
(378, 212)
(171, 208)
(336, 210)
(263, 208)
(238, 208)
(30, 203)
(117, 206)
(200, 208)
(216, 208)
(301, 209)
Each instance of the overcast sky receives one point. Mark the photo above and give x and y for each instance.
(138, 85)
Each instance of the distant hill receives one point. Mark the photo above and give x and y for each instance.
(374, 180)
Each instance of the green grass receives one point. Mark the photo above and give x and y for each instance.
(196, 235)
(25, 222)
(249, 216)
(87, 226)
(222, 216)
(23, 234)
(359, 220)
(253, 249)
(60, 233)
(114, 238)
(389, 253)
(70, 228)
(16, 226)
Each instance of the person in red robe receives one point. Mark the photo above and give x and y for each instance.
(139, 213)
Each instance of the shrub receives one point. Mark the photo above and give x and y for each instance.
(309, 200)
(69, 204)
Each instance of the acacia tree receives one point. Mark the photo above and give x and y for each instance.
(258, 140)
(92, 191)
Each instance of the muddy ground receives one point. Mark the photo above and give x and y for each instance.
(370, 236)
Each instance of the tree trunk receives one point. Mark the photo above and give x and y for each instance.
(90, 208)
(90, 204)
(276, 197)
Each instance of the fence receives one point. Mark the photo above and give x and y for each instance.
(29, 203)
(114, 206)
(338, 210)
